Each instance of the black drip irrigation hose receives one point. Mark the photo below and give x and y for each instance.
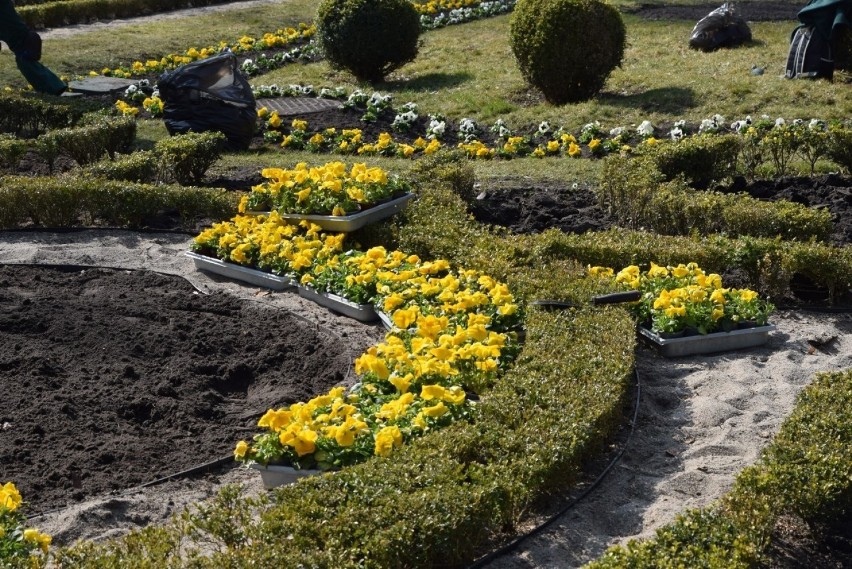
(198, 469)
(512, 545)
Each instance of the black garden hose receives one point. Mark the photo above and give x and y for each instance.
(512, 545)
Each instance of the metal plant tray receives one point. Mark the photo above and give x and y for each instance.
(387, 322)
(349, 223)
(360, 312)
(240, 273)
(708, 343)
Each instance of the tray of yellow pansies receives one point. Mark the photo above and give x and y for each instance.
(687, 345)
(683, 310)
(275, 475)
(335, 197)
(240, 273)
(360, 312)
(386, 320)
(354, 221)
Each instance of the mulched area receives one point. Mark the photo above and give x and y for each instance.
(115, 378)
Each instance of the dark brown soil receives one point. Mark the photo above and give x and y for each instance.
(531, 207)
(795, 545)
(116, 378)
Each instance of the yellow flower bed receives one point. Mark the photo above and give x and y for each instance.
(328, 189)
(435, 6)
(270, 40)
(268, 243)
(684, 296)
(453, 335)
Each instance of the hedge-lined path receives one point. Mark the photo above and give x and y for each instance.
(702, 418)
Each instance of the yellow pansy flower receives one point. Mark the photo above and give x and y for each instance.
(387, 439)
(10, 498)
(436, 410)
(241, 449)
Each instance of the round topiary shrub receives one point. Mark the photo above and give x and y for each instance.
(368, 38)
(567, 48)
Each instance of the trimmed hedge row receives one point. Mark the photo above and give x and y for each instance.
(805, 471)
(96, 135)
(70, 12)
(28, 115)
(182, 158)
(74, 201)
(770, 264)
(651, 191)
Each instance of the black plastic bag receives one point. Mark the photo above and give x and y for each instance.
(720, 28)
(210, 95)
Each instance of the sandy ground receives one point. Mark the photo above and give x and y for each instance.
(701, 418)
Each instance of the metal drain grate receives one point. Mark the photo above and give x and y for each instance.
(294, 106)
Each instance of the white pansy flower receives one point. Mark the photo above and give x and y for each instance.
(706, 125)
(645, 129)
(467, 126)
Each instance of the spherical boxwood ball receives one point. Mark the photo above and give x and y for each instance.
(567, 48)
(368, 38)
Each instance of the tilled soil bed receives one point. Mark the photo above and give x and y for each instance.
(527, 206)
(114, 378)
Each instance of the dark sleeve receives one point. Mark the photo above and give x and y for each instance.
(13, 30)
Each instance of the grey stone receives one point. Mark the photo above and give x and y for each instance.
(100, 85)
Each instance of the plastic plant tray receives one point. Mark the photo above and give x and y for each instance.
(274, 475)
(360, 312)
(353, 222)
(708, 343)
(239, 273)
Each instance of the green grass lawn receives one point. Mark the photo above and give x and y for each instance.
(469, 71)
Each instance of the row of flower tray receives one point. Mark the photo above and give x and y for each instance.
(351, 222)
(666, 346)
(360, 312)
